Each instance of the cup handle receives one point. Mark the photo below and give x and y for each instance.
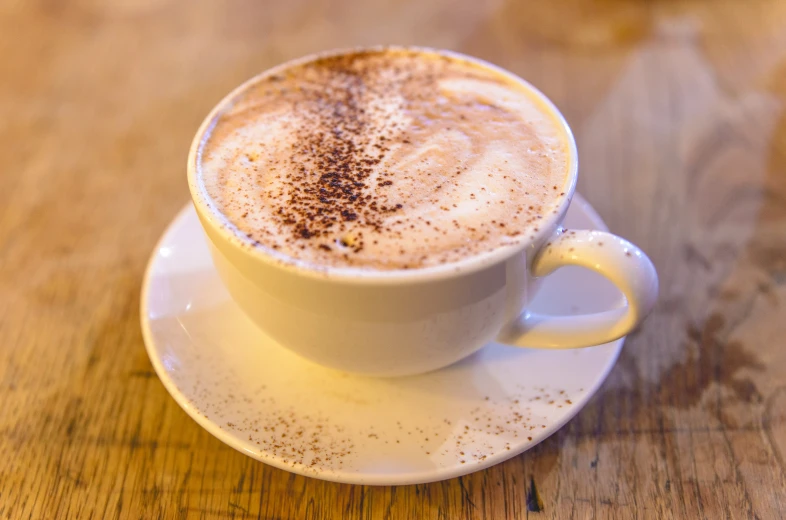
(615, 258)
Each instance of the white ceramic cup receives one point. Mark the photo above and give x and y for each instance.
(388, 323)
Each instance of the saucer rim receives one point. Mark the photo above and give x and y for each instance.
(341, 475)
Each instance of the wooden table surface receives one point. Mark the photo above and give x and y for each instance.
(679, 109)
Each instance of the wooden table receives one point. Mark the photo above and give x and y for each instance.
(679, 108)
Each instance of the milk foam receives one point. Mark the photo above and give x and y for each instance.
(384, 160)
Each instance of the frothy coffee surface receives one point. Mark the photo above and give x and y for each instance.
(384, 159)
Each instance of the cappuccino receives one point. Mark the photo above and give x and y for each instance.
(383, 159)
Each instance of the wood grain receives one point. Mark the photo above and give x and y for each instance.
(679, 108)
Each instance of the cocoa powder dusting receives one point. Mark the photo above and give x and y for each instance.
(316, 441)
(335, 155)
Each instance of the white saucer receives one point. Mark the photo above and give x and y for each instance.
(287, 412)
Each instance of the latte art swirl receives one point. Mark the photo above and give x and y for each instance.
(386, 159)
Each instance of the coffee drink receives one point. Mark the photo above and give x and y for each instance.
(383, 159)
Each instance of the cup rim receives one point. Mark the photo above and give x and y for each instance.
(211, 216)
